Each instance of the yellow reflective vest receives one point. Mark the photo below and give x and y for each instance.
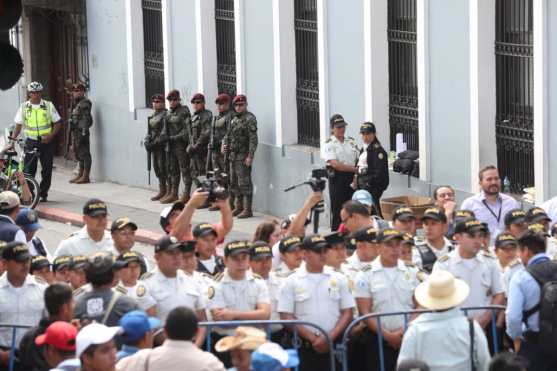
(38, 121)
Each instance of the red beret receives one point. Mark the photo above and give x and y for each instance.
(241, 98)
(173, 94)
(157, 97)
(222, 98)
(198, 96)
(78, 86)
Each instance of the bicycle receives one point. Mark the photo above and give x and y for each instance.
(12, 163)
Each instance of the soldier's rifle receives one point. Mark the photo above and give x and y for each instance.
(148, 148)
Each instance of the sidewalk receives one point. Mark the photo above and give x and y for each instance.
(66, 200)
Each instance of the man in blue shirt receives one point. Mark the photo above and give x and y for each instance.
(137, 332)
(524, 294)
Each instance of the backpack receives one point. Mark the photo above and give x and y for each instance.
(545, 274)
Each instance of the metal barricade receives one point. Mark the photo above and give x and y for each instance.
(342, 348)
(13, 345)
(267, 324)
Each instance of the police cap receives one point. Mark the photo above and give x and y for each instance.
(188, 246)
(61, 262)
(366, 234)
(470, 225)
(367, 127)
(388, 234)
(435, 213)
(167, 243)
(288, 244)
(260, 250)
(95, 207)
(505, 239)
(127, 258)
(236, 248)
(335, 238)
(515, 216)
(39, 262)
(337, 120)
(403, 213)
(315, 243)
(538, 215)
(78, 262)
(204, 229)
(122, 223)
(17, 251)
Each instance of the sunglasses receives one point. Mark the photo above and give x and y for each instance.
(157, 101)
(239, 104)
(197, 102)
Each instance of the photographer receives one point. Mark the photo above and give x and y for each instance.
(341, 154)
(182, 230)
(373, 168)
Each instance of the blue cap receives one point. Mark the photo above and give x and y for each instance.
(28, 219)
(363, 197)
(136, 324)
(272, 357)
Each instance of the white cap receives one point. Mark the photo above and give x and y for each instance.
(166, 211)
(94, 334)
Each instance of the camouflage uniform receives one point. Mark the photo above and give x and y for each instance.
(241, 141)
(222, 124)
(199, 135)
(156, 146)
(80, 122)
(177, 122)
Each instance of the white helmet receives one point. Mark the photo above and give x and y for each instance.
(34, 86)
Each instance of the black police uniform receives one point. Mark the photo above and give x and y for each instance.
(376, 179)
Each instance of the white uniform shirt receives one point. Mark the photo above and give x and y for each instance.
(204, 281)
(54, 115)
(172, 292)
(390, 289)
(354, 262)
(316, 297)
(417, 258)
(20, 306)
(551, 249)
(137, 292)
(80, 243)
(274, 284)
(241, 295)
(362, 160)
(481, 273)
(346, 152)
(509, 271)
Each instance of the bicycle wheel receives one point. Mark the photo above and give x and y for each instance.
(34, 188)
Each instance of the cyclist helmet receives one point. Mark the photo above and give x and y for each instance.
(34, 86)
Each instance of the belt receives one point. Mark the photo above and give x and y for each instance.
(532, 337)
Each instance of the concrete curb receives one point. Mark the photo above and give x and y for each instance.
(63, 216)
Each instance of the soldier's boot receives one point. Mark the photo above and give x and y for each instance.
(172, 196)
(162, 191)
(84, 178)
(239, 206)
(247, 213)
(77, 176)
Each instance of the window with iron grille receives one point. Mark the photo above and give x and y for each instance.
(153, 49)
(403, 82)
(307, 76)
(514, 121)
(226, 46)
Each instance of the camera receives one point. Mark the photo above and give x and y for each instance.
(214, 186)
(318, 180)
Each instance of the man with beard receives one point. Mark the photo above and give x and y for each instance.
(490, 206)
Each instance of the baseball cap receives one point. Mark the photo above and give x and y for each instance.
(27, 219)
(363, 197)
(367, 127)
(39, 262)
(17, 251)
(260, 249)
(470, 225)
(222, 98)
(122, 223)
(237, 247)
(505, 239)
(435, 213)
(314, 242)
(136, 324)
(167, 243)
(61, 335)
(61, 262)
(515, 216)
(188, 246)
(403, 213)
(288, 244)
(128, 257)
(204, 229)
(337, 120)
(538, 228)
(8, 200)
(460, 215)
(272, 357)
(94, 334)
(95, 207)
(78, 262)
(388, 234)
(366, 234)
(537, 215)
(178, 205)
(335, 238)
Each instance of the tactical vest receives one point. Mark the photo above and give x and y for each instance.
(8, 230)
(176, 120)
(38, 121)
(196, 123)
(79, 119)
(156, 123)
(428, 257)
(39, 246)
(238, 137)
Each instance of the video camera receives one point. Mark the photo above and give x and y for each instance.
(317, 181)
(214, 186)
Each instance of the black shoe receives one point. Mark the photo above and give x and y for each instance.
(44, 199)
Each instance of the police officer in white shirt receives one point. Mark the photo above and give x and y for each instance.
(434, 244)
(341, 154)
(291, 254)
(366, 249)
(129, 273)
(386, 286)
(317, 294)
(21, 295)
(93, 237)
(169, 286)
(506, 250)
(478, 268)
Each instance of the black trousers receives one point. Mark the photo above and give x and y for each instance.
(340, 192)
(536, 358)
(390, 355)
(46, 156)
(376, 195)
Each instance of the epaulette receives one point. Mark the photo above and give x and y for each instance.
(421, 276)
(255, 275)
(146, 275)
(410, 264)
(121, 289)
(516, 262)
(488, 254)
(71, 235)
(443, 259)
(366, 268)
(207, 275)
(218, 277)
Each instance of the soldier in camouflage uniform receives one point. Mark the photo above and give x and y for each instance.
(80, 122)
(241, 143)
(222, 123)
(154, 145)
(200, 132)
(177, 123)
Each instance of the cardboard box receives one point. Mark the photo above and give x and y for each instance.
(418, 204)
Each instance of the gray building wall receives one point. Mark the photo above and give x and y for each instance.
(552, 96)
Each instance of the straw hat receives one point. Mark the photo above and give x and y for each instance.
(244, 338)
(441, 291)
